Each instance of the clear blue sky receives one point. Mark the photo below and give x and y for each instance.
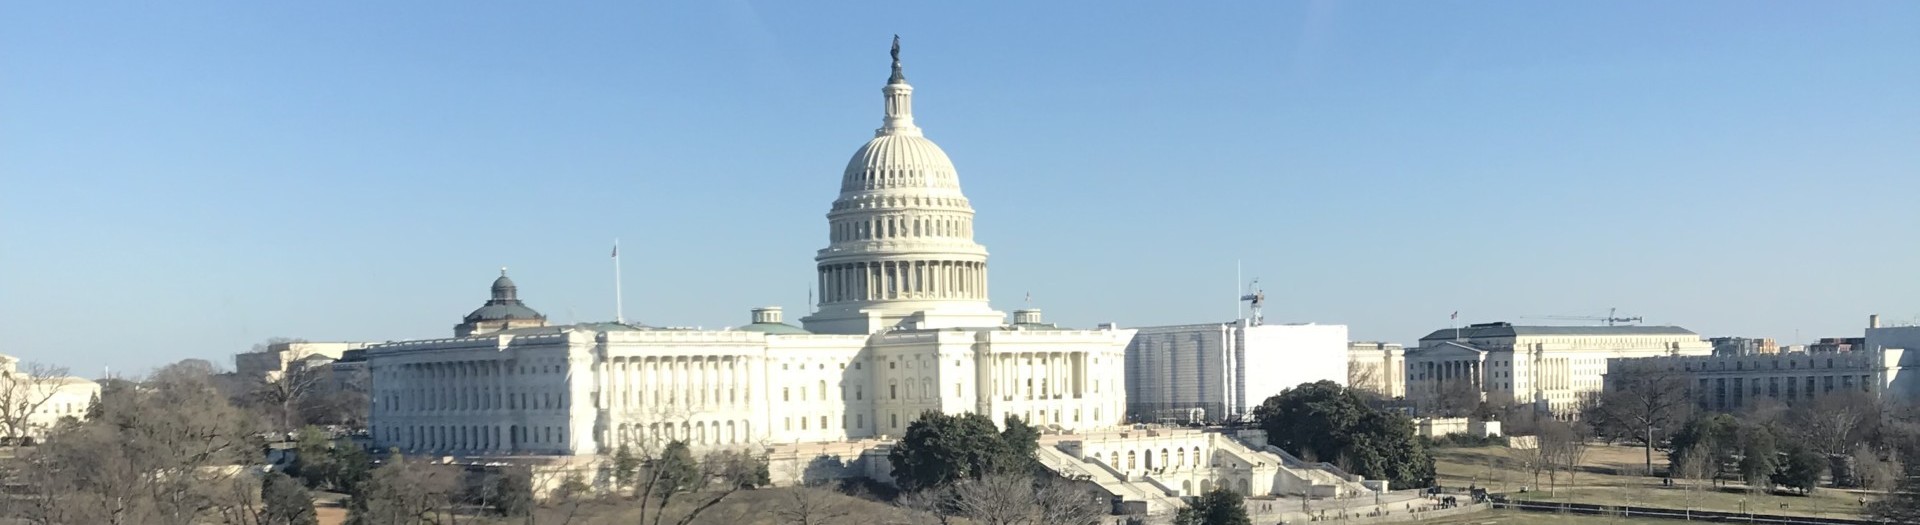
(185, 179)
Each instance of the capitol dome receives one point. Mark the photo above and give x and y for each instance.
(901, 253)
(899, 161)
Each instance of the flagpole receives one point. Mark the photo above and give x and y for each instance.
(619, 309)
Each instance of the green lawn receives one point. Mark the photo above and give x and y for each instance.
(1600, 481)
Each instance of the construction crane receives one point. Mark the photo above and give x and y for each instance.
(1258, 297)
(1611, 319)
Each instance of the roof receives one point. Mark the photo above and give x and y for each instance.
(555, 329)
(496, 312)
(774, 329)
(1508, 330)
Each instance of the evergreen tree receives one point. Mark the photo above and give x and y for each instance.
(351, 467)
(1220, 507)
(1800, 468)
(1022, 441)
(1757, 457)
(1327, 421)
(625, 466)
(939, 449)
(313, 458)
(1716, 438)
(513, 492)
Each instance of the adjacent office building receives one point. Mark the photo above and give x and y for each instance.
(1220, 371)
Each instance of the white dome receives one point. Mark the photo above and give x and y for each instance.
(899, 161)
(900, 250)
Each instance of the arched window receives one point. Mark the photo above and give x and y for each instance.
(1114, 460)
(1130, 462)
(1163, 458)
(1196, 457)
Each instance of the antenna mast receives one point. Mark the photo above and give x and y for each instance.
(619, 308)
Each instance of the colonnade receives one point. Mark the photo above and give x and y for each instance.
(480, 385)
(473, 388)
(1454, 370)
(885, 280)
(1039, 375)
(676, 382)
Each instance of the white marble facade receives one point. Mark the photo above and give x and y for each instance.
(1549, 368)
(903, 327)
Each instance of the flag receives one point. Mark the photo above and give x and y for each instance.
(616, 250)
(1029, 297)
(1456, 315)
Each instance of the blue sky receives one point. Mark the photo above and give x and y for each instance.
(186, 180)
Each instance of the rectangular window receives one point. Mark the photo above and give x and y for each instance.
(859, 421)
(823, 422)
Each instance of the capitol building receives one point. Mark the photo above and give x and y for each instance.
(903, 326)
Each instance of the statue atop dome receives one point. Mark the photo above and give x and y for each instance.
(898, 77)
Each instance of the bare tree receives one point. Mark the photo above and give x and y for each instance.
(1637, 405)
(411, 491)
(931, 505)
(1365, 377)
(1457, 398)
(996, 499)
(1573, 452)
(1068, 502)
(1834, 424)
(283, 394)
(812, 505)
(25, 388)
(1551, 453)
(167, 454)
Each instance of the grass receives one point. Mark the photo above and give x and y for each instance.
(747, 507)
(1607, 476)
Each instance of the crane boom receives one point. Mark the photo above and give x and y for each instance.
(1612, 318)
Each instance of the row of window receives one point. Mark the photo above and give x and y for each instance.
(473, 399)
(888, 227)
(1177, 458)
(473, 437)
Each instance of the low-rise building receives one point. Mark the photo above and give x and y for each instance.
(1548, 368)
(278, 358)
(1735, 346)
(43, 398)
(1220, 371)
(1377, 367)
(1836, 345)
(1433, 427)
(1730, 383)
